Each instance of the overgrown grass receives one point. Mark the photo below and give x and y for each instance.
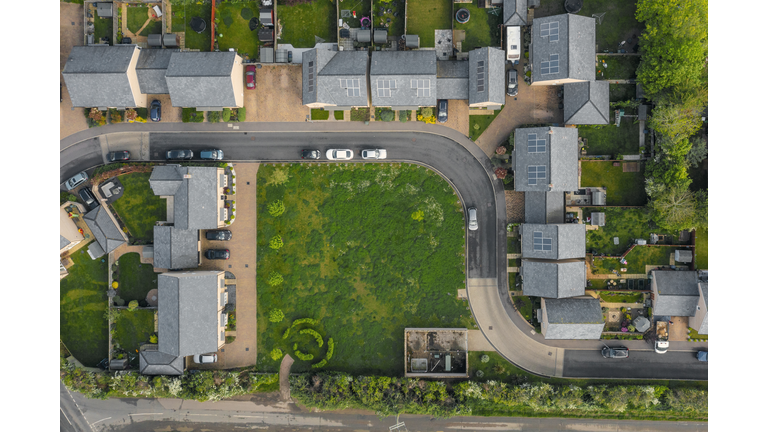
(83, 302)
(524, 305)
(139, 208)
(132, 329)
(605, 265)
(621, 92)
(137, 16)
(135, 279)
(617, 67)
(102, 27)
(642, 256)
(702, 249)
(181, 22)
(426, 16)
(482, 29)
(612, 140)
(620, 297)
(622, 188)
(628, 224)
(301, 23)
(319, 114)
(368, 250)
(396, 23)
(479, 123)
(360, 114)
(234, 26)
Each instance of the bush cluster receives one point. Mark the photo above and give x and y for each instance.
(276, 208)
(315, 334)
(302, 356)
(276, 316)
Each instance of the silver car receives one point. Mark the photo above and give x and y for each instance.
(472, 218)
(374, 154)
(205, 358)
(339, 154)
(76, 180)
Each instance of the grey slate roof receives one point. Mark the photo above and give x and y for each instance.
(188, 314)
(201, 79)
(151, 68)
(560, 159)
(486, 83)
(453, 80)
(107, 234)
(97, 76)
(586, 103)
(153, 362)
(515, 13)
(63, 242)
(704, 292)
(572, 319)
(402, 67)
(575, 48)
(684, 256)
(677, 293)
(545, 207)
(553, 279)
(175, 248)
(104, 9)
(195, 198)
(329, 68)
(598, 219)
(379, 36)
(568, 241)
(412, 41)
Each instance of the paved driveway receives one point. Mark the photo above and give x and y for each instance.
(70, 34)
(277, 97)
(458, 116)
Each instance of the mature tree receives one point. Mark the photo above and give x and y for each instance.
(698, 152)
(677, 209)
(665, 173)
(678, 115)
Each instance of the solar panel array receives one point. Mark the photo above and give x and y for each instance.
(540, 243)
(536, 172)
(311, 78)
(552, 66)
(384, 87)
(481, 76)
(536, 145)
(352, 86)
(551, 30)
(421, 86)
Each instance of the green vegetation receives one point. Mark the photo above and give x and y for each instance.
(102, 27)
(66, 196)
(384, 114)
(524, 305)
(342, 267)
(233, 24)
(396, 23)
(605, 265)
(182, 17)
(621, 92)
(642, 256)
(137, 16)
(154, 27)
(617, 67)
(479, 123)
(513, 246)
(512, 276)
(622, 188)
(426, 16)
(302, 22)
(620, 297)
(139, 208)
(83, 302)
(482, 29)
(693, 334)
(627, 224)
(192, 115)
(612, 140)
(338, 115)
(135, 279)
(320, 114)
(360, 114)
(702, 252)
(132, 329)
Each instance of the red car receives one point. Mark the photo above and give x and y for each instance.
(250, 77)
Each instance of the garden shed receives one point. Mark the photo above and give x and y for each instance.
(684, 256)
(380, 36)
(281, 56)
(411, 41)
(598, 219)
(267, 55)
(104, 10)
(265, 17)
(170, 40)
(155, 40)
(266, 35)
(363, 36)
(598, 198)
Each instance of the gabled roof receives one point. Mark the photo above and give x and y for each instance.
(188, 313)
(704, 292)
(453, 79)
(559, 156)
(586, 103)
(107, 233)
(97, 76)
(195, 199)
(677, 293)
(572, 318)
(201, 79)
(402, 68)
(553, 279)
(544, 207)
(567, 240)
(515, 13)
(486, 76)
(175, 248)
(323, 72)
(151, 69)
(153, 362)
(574, 47)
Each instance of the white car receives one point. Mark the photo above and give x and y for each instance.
(374, 154)
(205, 358)
(76, 181)
(339, 154)
(472, 218)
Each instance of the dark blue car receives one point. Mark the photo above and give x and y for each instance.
(154, 111)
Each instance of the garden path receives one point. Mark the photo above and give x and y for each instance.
(285, 372)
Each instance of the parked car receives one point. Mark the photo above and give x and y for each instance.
(615, 352)
(310, 154)
(702, 356)
(472, 218)
(126, 41)
(217, 254)
(118, 156)
(154, 111)
(76, 180)
(87, 196)
(250, 77)
(512, 82)
(179, 154)
(221, 235)
(205, 358)
(339, 154)
(212, 154)
(442, 111)
(374, 154)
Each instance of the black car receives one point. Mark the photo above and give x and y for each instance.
(118, 156)
(222, 235)
(154, 111)
(87, 196)
(179, 154)
(310, 154)
(214, 254)
(615, 352)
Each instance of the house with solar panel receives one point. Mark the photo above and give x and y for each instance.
(562, 49)
(546, 159)
(403, 80)
(334, 80)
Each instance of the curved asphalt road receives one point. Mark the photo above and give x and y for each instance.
(451, 154)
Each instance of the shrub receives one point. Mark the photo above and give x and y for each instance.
(153, 339)
(276, 242)
(241, 114)
(226, 114)
(479, 373)
(418, 215)
(287, 333)
(276, 208)
(191, 115)
(305, 357)
(320, 364)
(427, 112)
(501, 173)
(404, 115)
(132, 305)
(316, 335)
(276, 354)
(118, 301)
(279, 176)
(301, 321)
(131, 115)
(275, 279)
(387, 115)
(329, 354)
(214, 116)
(276, 316)
(485, 358)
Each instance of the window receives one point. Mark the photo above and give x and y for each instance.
(481, 76)
(384, 87)
(311, 76)
(536, 172)
(540, 243)
(421, 86)
(536, 145)
(352, 86)
(551, 30)
(552, 66)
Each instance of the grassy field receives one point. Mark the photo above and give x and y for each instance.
(319, 114)
(139, 208)
(83, 302)
(482, 29)
(426, 16)
(133, 328)
(181, 22)
(702, 249)
(479, 123)
(233, 24)
(612, 140)
(642, 256)
(301, 23)
(368, 250)
(622, 188)
(617, 67)
(135, 279)
(102, 27)
(396, 23)
(621, 92)
(627, 224)
(620, 297)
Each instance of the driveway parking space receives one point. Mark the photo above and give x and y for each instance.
(70, 34)
(458, 116)
(168, 112)
(277, 97)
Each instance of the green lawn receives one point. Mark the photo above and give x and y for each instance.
(135, 279)
(233, 24)
(628, 224)
(319, 114)
(512, 276)
(133, 328)
(181, 22)
(137, 16)
(338, 115)
(479, 123)
(426, 16)
(597, 284)
(622, 188)
(702, 246)
(83, 302)
(695, 335)
(154, 27)
(621, 297)
(642, 256)
(396, 23)
(102, 27)
(610, 139)
(605, 265)
(524, 305)
(618, 67)
(482, 29)
(301, 23)
(368, 251)
(621, 92)
(513, 246)
(139, 208)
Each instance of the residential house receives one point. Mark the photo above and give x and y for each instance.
(403, 80)
(105, 229)
(453, 80)
(104, 76)
(675, 293)
(700, 320)
(176, 248)
(151, 68)
(545, 207)
(553, 241)
(562, 49)
(208, 81)
(515, 13)
(546, 159)
(69, 234)
(553, 279)
(154, 362)
(486, 83)
(334, 80)
(586, 103)
(572, 318)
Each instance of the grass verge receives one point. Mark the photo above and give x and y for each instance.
(479, 123)
(139, 208)
(320, 114)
